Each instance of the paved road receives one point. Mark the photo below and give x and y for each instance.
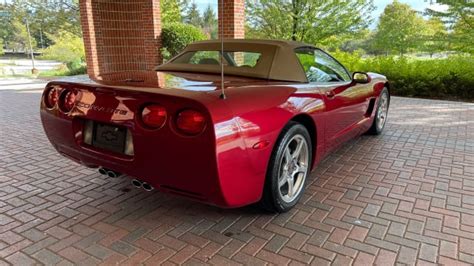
(21, 84)
(406, 196)
(16, 66)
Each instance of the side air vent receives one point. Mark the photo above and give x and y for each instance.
(370, 109)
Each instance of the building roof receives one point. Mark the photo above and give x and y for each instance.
(277, 60)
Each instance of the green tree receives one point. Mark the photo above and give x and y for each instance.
(356, 43)
(1, 47)
(398, 28)
(312, 21)
(434, 36)
(183, 8)
(460, 18)
(170, 11)
(45, 17)
(367, 44)
(193, 16)
(19, 38)
(458, 10)
(209, 22)
(462, 37)
(52, 16)
(6, 27)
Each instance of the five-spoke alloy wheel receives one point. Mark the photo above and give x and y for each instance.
(380, 118)
(293, 168)
(288, 169)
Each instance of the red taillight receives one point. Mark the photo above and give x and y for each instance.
(154, 116)
(52, 97)
(68, 99)
(190, 122)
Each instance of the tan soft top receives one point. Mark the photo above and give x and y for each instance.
(278, 60)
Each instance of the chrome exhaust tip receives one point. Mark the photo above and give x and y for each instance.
(102, 171)
(113, 174)
(136, 183)
(147, 187)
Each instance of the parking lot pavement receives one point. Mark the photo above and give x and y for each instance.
(406, 196)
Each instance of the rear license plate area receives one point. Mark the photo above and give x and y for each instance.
(109, 137)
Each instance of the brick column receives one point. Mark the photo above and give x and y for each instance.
(122, 40)
(234, 19)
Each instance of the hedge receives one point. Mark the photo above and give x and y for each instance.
(451, 78)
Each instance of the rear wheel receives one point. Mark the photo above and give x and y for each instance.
(288, 169)
(380, 113)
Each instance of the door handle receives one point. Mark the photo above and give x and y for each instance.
(330, 94)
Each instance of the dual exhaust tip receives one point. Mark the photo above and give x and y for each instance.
(109, 173)
(139, 184)
(135, 182)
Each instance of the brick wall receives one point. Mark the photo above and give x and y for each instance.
(234, 18)
(122, 40)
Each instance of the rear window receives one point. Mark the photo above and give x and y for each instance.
(231, 58)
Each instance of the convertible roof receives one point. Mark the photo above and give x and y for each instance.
(277, 60)
(291, 44)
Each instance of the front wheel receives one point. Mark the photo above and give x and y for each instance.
(288, 169)
(381, 113)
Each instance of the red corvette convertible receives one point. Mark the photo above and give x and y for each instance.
(282, 107)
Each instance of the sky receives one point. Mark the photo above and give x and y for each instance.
(418, 5)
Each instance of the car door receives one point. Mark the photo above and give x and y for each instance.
(346, 102)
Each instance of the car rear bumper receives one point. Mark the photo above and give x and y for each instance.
(178, 166)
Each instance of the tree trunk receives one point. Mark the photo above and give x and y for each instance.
(295, 20)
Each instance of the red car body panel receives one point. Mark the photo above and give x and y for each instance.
(226, 164)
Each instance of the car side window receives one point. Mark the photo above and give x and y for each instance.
(320, 67)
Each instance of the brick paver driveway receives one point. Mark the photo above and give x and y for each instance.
(406, 196)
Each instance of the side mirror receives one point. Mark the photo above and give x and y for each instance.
(360, 77)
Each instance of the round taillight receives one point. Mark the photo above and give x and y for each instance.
(68, 99)
(52, 97)
(154, 116)
(190, 122)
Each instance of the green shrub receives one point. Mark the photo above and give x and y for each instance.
(69, 49)
(75, 64)
(175, 37)
(450, 78)
(77, 70)
(66, 48)
(352, 61)
(63, 71)
(1, 47)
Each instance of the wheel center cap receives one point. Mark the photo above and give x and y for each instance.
(293, 166)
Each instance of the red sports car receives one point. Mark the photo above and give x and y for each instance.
(253, 138)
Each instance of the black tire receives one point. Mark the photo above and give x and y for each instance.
(376, 128)
(291, 136)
